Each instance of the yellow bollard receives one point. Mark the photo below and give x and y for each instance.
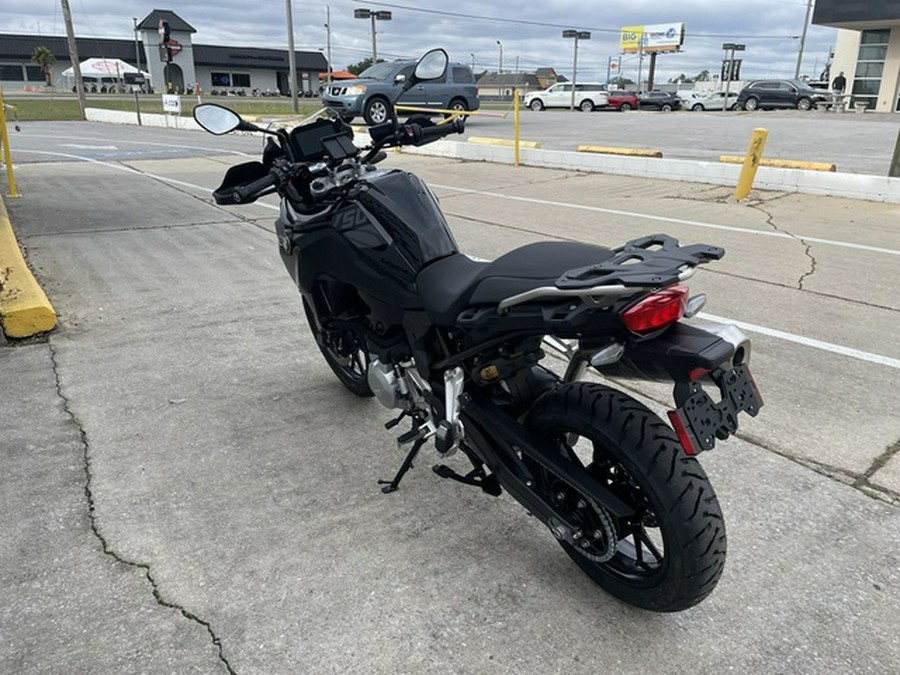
(4, 141)
(516, 126)
(751, 163)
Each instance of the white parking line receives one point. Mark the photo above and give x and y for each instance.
(753, 328)
(665, 219)
(806, 342)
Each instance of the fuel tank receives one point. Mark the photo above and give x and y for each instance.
(377, 240)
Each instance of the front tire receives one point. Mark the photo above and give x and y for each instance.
(751, 104)
(804, 104)
(670, 554)
(537, 105)
(377, 111)
(344, 352)
(698, 107)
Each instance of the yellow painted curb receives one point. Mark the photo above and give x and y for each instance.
(503, 141)
(782, 163)
(24, 308)
(631, 152)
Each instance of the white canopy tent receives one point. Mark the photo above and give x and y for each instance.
(104, 70)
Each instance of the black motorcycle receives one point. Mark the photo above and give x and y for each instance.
(456, 345)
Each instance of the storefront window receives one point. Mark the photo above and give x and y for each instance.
(870, 67)
(221, 79)
(240, 79)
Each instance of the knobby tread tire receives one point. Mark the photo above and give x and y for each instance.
(675, 485)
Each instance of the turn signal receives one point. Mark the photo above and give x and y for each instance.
(657, 310)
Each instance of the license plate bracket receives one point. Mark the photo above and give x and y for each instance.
(699, 421)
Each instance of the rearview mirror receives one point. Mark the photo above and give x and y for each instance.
(432, 65)
(216, 119)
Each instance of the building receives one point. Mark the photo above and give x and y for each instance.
(503, 85)
(210, 66)
(867, 50)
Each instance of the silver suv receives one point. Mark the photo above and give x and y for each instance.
(370, 94)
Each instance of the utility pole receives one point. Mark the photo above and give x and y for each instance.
(292, 58)
(328, 43)
(803, 39)
(500, 65)
(137, 50)
(73, 56)
(578, 35)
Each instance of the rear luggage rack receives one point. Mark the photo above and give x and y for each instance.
(656, 260)
(640, 264)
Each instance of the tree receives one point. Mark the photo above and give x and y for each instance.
(44, 58)
(621, 82)
(681, 79)
(357, 68)
(702, 76)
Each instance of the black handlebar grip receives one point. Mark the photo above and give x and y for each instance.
(457, 126)
(243, 193)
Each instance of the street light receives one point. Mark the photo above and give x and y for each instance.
(578, 35)
(728, 71)
(371, 14)
(137, 51)
(500, 68)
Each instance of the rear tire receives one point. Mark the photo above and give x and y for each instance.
(458, 105)
(670, 554)
(666, 107)
(586, 106)
(344, 352)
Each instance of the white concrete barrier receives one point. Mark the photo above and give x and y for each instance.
(147, 119)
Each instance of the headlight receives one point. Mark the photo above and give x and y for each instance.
(357, 90)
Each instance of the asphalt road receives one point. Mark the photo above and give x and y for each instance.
(855, 143)
(187, 487)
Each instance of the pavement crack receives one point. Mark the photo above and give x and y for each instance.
(95, 526)
(877, 464)
(770, 221)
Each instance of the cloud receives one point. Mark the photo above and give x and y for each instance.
(530, 33)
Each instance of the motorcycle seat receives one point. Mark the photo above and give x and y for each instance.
(449, 285)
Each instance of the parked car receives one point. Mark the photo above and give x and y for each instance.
(697, 101)
(623, 100)
(659, 100)
(370, 94)
(768, 94)
(588, 96)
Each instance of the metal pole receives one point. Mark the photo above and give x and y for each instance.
(137, 51)
(728, 68)
(73, 57)
(640, 61)
(803, 39)
(574, 74)
(500, 66)
(374, 48)
(608, 62)
(292, 58)
(328, 43)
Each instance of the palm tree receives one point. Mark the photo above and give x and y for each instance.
(44, 58)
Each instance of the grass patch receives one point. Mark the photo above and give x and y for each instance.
(36, 109)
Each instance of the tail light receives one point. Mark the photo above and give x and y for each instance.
(476, 91)
(656, 310)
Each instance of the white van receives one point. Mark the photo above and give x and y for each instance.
(588, 96)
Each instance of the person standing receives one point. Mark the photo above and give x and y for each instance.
(839, 84)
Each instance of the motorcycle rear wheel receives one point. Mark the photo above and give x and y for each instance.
(344, 352)
(670, 554)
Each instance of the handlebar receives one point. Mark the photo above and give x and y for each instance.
(243, 193)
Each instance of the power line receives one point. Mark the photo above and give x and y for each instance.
(544, 24)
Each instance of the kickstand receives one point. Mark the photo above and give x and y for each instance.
(392, 485)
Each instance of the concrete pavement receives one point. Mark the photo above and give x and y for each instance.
(182, 418)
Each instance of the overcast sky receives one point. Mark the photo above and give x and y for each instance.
(530, 32)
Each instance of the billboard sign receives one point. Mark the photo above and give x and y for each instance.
(660, 37)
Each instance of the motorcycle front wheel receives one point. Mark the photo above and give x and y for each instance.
(670, 554)
(344, 351)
